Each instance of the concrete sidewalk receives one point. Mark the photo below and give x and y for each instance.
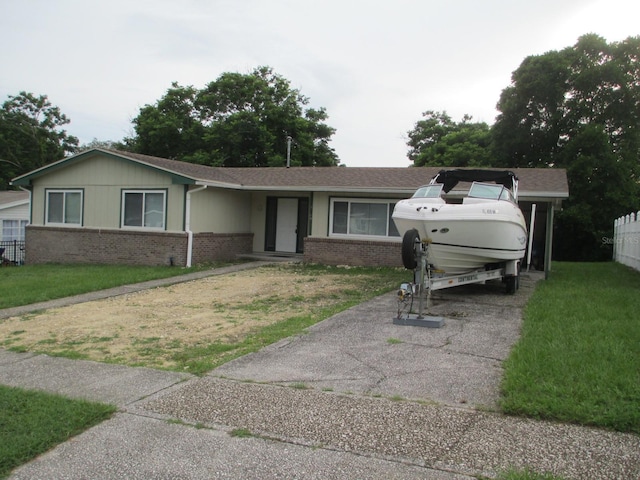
(355, 397)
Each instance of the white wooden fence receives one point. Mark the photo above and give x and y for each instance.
(626, 240)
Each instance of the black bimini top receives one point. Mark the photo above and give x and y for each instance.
(450, 178)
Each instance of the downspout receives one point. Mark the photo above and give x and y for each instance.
(187, 225)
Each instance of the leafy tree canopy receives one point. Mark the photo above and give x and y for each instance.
(237, 120)
(437, 140)
(579, 109)
(31, 135)
(105, 144)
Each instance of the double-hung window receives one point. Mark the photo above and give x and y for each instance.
(13, 230)
(64, 207)
(144, 208)
(362, 217)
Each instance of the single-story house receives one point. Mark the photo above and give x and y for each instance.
(106, 206)
(14, 217)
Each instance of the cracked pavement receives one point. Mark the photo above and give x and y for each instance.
(361, 351)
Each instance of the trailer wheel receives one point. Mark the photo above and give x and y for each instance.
(409, 255)
(512, 284)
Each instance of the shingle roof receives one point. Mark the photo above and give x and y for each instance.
(550, 182)
(13, 196)
(531, 180)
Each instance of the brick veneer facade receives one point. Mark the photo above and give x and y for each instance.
(333, 251)
(210, 247)
(99, 246)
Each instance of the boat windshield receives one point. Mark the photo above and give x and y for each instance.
(429, 191)
(490, 191)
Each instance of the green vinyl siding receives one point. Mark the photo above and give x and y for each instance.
(102, 179)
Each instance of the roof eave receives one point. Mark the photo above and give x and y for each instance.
(25, 180)
(17, 203)
(307, 188)
(226, 185)
(523, 194)
(543, 195)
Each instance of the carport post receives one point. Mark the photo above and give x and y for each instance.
(532, 223)
(548, 241)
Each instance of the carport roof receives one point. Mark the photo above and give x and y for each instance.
(548, 183)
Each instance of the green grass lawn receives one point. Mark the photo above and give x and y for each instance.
(578, 359)
(38, 283)
(33, 422)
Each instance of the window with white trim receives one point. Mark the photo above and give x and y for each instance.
(13, 230)
(362, 217)
(64, 207)
(143, 208)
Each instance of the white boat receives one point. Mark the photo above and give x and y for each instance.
(486, 229)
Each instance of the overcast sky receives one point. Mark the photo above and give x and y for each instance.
(374, 65)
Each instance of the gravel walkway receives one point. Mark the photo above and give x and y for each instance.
(438, 437)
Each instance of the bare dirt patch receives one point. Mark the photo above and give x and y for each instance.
(149, 327)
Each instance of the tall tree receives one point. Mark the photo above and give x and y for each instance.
(171, 128)
(236, 120)
(31, 135)
(437, 140)
(579, 109)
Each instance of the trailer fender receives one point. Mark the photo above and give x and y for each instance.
(512, 268)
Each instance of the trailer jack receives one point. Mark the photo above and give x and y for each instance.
(410, 291)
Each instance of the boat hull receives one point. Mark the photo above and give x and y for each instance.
(462, 237)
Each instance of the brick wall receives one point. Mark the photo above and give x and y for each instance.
(332, 251)
(211, 247)
(82, 245)
(98, 246)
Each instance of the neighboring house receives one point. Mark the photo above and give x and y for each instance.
(105, 206)
(14, 217)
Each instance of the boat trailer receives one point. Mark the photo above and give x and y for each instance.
(427, 280)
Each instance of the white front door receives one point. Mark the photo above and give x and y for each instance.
(287, 225)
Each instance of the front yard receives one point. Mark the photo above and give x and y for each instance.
(577, 360)
(197, 325)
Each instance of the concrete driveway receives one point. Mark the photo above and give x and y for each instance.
(362, 351)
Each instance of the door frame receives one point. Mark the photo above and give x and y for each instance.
(272, 221)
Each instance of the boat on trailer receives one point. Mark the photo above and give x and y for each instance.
(487, 230)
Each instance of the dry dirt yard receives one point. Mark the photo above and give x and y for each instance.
(150, 327)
